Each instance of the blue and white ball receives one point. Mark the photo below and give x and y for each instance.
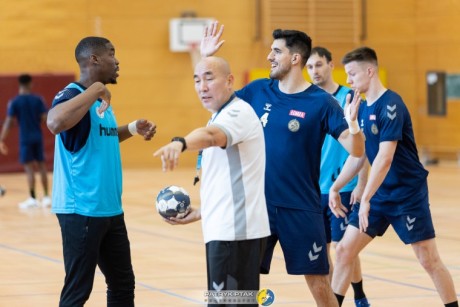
(173, 201)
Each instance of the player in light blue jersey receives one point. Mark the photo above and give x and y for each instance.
(333, 157)
(396, 193)
(87, 179)
(296, 116)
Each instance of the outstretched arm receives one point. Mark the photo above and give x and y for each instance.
(197, 139)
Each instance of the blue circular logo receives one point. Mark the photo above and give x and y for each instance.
(265, 297)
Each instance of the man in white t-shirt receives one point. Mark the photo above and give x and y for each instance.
(233, 211)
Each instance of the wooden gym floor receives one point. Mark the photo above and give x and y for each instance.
(169, 261)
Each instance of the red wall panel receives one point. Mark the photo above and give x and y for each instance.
(45, 85)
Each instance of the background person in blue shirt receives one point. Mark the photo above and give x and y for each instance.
(30, 112)
(396, 192)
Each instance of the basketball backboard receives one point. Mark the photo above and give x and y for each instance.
(184, 32)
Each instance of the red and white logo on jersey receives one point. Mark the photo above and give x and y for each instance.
(372, 117)
(297, 113)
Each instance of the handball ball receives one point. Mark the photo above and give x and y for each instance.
(173, 201)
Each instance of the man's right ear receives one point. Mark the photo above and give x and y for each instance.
(94, 59)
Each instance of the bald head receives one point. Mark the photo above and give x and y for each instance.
(213, 82)
(218, 65)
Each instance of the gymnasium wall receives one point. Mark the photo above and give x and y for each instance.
(45, 84)
(411, 36)
(154, 83)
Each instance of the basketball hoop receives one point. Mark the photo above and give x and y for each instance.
(184, 32)
(185, 36)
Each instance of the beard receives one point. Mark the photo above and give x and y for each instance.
(280, 72)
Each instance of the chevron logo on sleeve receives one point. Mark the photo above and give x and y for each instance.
(391, 112)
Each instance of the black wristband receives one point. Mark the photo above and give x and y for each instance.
(182, 140)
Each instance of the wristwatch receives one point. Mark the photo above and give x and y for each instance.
(182, 140)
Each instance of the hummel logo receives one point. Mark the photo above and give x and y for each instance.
(391, 112)
(59, 95)
(233, 113)
(410, 223)
(391, 116)
(392, 108)
(316, 251)
(344, 225)
(217, 287)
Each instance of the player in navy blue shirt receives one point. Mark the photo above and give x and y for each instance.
(296, 116)
(396, 193)
(333, 156)
(30, 112)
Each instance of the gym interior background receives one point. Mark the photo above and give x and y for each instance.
(411, 37)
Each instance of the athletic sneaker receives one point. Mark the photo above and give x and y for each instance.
(362, 302)
(2, 191)
(46, 201)
(29, 203)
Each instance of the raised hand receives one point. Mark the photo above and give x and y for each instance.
(352, 106)
(210, 42)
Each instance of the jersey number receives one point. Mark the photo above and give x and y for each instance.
(264, 119)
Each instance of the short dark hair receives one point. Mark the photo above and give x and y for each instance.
(322, 52)
(362, 54)
(296, 41)
(89, 45)
(24, 79)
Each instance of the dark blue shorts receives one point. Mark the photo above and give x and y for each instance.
(335, 227)
(302, 238)
(413, 224)
(31, 152)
